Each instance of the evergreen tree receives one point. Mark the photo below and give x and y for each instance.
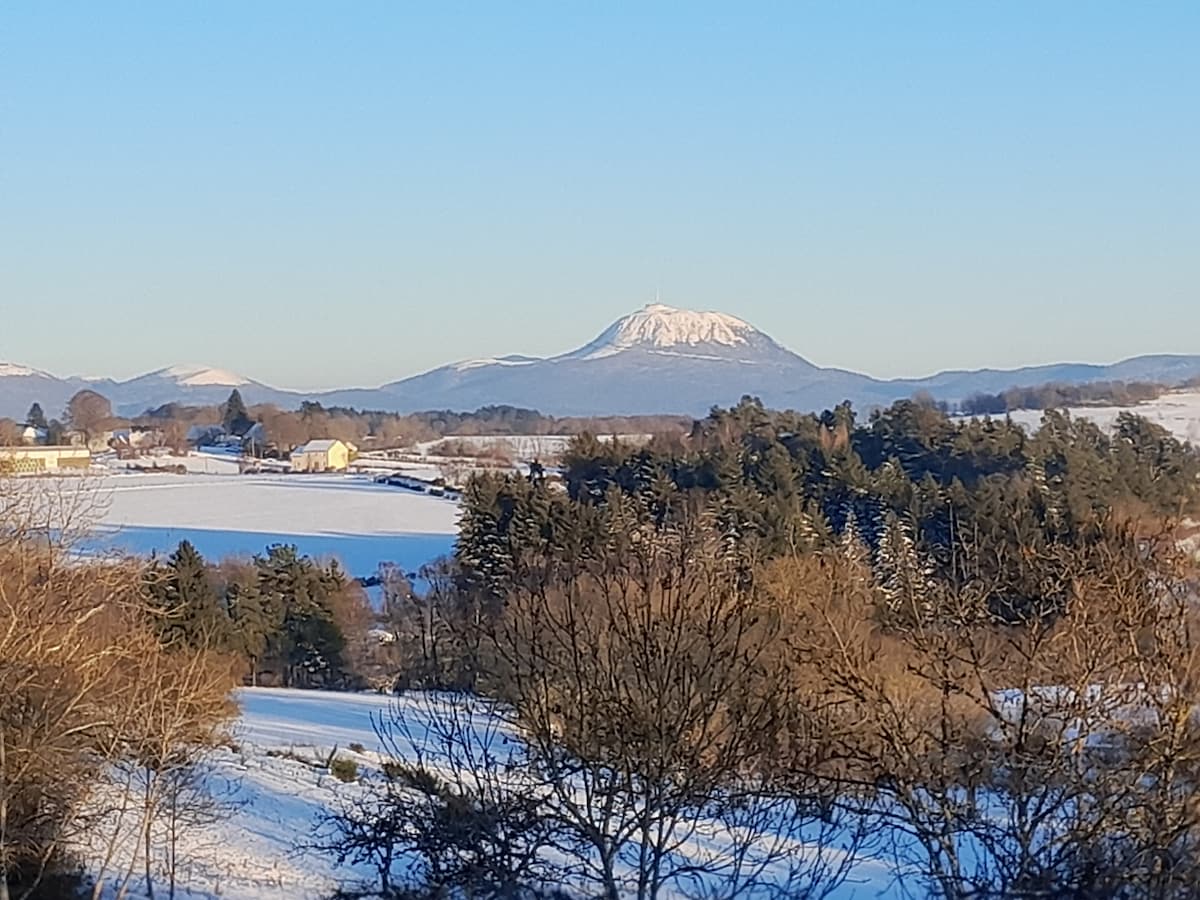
(294, 605)
(234, 415)
(253, 623)
(905, 579)
(190, 611)
(36, 417)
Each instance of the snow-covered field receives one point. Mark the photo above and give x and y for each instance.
(344, 516)
(1178, 412)
(522, 446)
(273, 802)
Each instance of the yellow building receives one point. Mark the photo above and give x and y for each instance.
(42, 460)
(321, 456)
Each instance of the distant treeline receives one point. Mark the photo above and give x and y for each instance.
(1057, 395)
(377, 428)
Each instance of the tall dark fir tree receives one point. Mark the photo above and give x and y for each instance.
(234, 415)
(191, 612)
(36, 417)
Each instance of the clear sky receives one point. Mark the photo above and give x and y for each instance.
(326, 194)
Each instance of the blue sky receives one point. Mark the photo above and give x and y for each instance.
(322, 194)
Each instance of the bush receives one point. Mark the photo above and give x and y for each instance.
(357, 748)
(344, 769)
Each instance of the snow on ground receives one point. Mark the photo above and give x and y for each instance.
(1178, 412)
(344, 516)
(520, 446)
(273, 801)
(199, 463)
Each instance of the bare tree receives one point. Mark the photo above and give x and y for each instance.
(452, 809)
(650, 689)
(87, 411)
(78, 659)
(1056, 755)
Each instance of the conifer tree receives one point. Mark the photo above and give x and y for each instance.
(234, 415)
(36, 417)
(294, 602)
(191, 611)
(905, 579)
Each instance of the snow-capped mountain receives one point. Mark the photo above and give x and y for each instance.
(12, 370)
(192, 384)
(658, 359)
(663, 359)
(21, 386)
(667, 331)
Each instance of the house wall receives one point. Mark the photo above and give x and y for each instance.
(37, 460)
(337, 459)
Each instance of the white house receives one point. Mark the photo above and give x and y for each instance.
(321, 456)
(31, 434)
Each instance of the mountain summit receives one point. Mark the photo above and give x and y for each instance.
(658, 328)
(656, 359)
(200, 376)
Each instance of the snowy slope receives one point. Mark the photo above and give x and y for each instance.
(1178, 412)
(273, 802)
(192, 384)
(202, 376)
(12, 370)
(21, 386)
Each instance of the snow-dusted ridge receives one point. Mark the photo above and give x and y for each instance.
(494, 361)
(201, 376)
(12, 370)
(660, 327)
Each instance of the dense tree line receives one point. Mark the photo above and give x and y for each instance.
(285, 429)
(1056, 395)
(299, 622)
(960, 500)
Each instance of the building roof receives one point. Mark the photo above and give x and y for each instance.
(51, 450)
(323, 446)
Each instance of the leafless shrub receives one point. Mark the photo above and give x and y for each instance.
(451, 810)
(1059, 755)
(662, 724)
(87, 685)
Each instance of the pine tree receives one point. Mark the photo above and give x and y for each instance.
(905, 579)
(295, 604)
(234, 415)
(252, 624)
(36, 417)
(483, 548)
(191, 612)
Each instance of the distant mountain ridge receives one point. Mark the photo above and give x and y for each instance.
(658, 359)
